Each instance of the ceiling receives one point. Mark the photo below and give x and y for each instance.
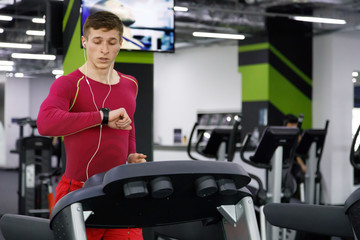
(226, 16)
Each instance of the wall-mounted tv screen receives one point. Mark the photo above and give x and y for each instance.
(148, 24)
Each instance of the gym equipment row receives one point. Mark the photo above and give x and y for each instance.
(339, 221)
(275, 152)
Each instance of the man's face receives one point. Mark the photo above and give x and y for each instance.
(102, 47)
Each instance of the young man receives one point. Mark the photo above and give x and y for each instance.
(292, 121)
(93, 108)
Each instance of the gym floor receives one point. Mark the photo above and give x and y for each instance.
(9, 180)
(8, 188)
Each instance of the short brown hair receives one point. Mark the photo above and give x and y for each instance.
(103, 19)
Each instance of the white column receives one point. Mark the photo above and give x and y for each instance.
(335, 56)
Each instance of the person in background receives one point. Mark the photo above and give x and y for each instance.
(93, 108)
(299, 167)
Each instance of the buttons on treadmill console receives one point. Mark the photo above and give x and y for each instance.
(161, 187)
(135, 189)
(205, 186)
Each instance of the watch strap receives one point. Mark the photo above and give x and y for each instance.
(105, 112)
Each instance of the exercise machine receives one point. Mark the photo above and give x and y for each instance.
(153, 195)
(339, 221)
(35, 162)
(274, 153)
(311, 148)
(219, 144)
(35, 197)
(355, 152)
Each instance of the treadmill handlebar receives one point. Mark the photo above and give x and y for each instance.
(318, 219)
(179, 187)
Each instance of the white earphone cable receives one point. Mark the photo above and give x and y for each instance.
(103, 104)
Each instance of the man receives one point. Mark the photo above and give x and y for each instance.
(292, 121)
(93, 108)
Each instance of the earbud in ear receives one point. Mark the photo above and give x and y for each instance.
(84, 45)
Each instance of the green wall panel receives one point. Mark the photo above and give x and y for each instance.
(287, 98)
(253, 47)
(255, 82)
(291, 65)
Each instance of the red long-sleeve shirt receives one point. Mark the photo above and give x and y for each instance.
(69, 111)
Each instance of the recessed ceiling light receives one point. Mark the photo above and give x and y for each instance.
(33, 56)
(58, 72)
(35, 32)
(18, 75)
(38, 20)
(319, 20)
(6, 63)
(5, 18)
(219, 35)
(6, 68)
(355, 74)
(180, 9)
(15, 45)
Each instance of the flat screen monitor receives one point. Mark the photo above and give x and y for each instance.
(148, 24)
(271, 138)
(308, 137)
(219, 135)
(53, 40)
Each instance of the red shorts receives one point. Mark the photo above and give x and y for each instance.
(67, 185)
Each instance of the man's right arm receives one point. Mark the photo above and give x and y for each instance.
(55, 119)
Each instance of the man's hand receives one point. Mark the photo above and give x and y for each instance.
(136, 158)
(301, 164)
(119, 119)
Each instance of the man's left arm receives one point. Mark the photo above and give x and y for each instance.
(133, 156)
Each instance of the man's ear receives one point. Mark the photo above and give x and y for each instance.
(83, 41)
(121, 42)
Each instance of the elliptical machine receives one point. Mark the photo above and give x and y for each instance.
(311, 148)
(220, 144)
(340, 221)
(274, 153)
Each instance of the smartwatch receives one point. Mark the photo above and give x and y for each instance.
(105, 112)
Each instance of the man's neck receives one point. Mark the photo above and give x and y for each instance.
(100, 75)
